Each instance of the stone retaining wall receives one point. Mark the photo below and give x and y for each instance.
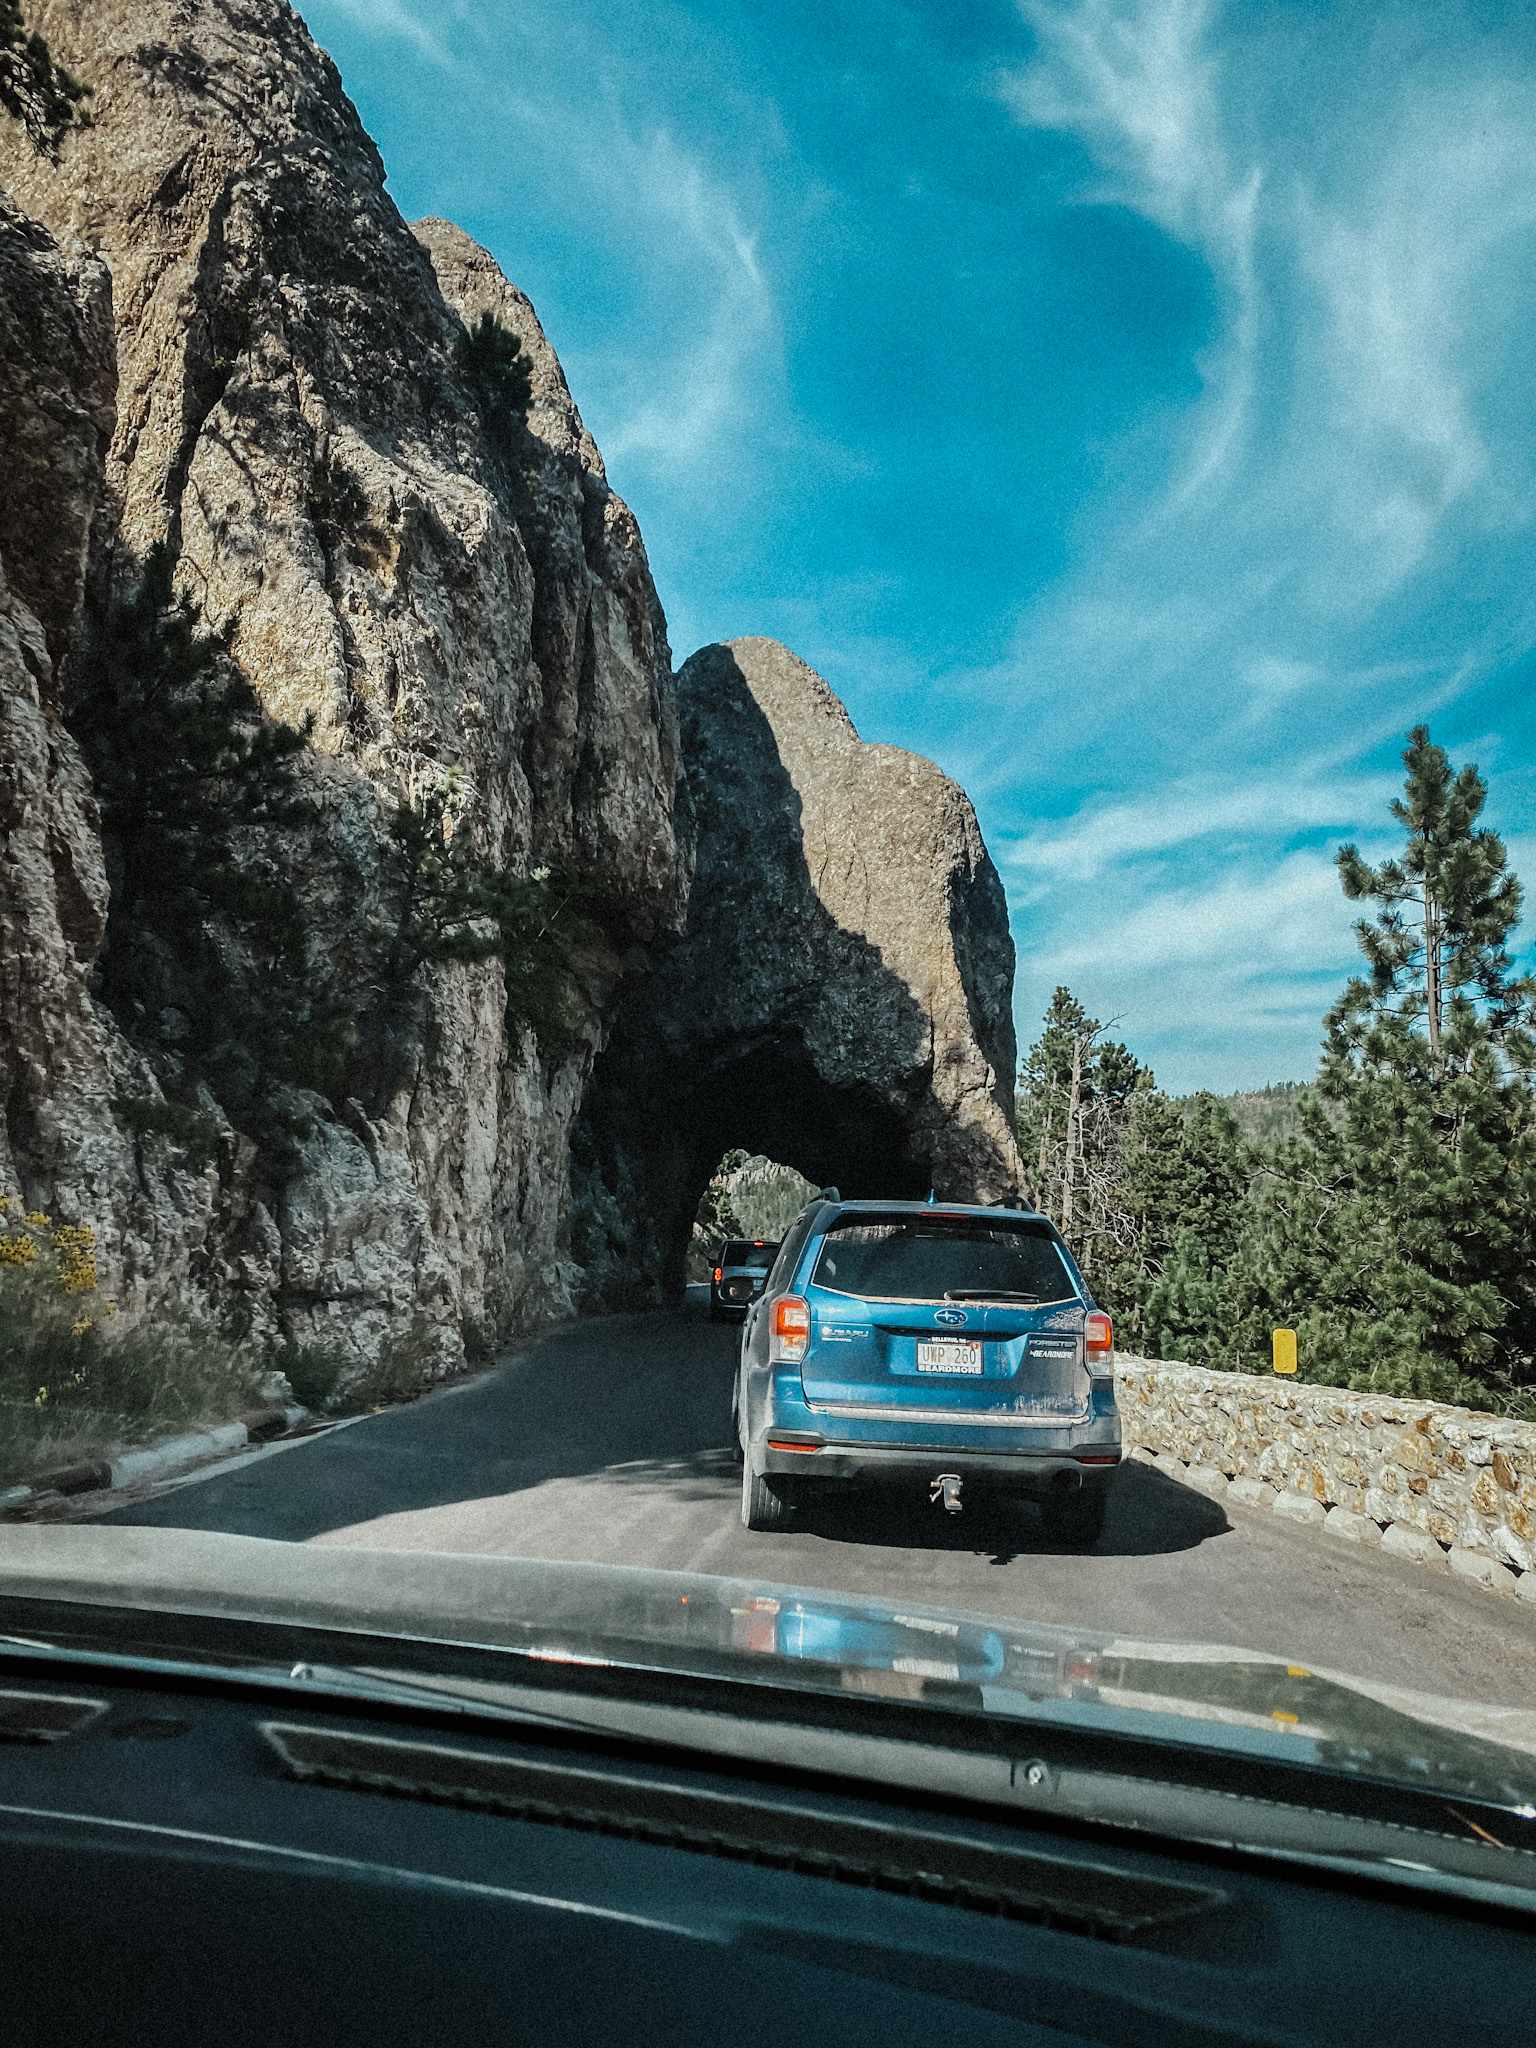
(1451, 1487)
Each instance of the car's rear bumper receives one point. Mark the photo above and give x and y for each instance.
(1023, 1470)
(876, 1440)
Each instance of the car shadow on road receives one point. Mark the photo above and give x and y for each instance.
(1149, 1515)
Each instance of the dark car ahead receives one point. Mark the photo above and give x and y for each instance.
(949, 1345)
(736, 1279)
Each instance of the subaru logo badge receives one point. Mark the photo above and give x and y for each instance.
(954, 1317)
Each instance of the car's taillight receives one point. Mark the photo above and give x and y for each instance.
(719, 1274)
(791, 1332)
(1081, 1667)
(1099, 1342)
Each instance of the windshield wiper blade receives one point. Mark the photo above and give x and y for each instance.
(295, 1681)
(988, 1294)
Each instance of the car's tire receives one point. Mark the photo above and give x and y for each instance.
(1075, 1519)
(767, 1498)
(736, 1450)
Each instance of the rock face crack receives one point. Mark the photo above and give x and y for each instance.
(840, 997)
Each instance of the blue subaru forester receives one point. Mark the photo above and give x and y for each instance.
(953, 1346)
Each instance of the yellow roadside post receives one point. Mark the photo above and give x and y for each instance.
(1284, 1343)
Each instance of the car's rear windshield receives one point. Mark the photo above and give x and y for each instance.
(919, 1258)
(759, 1257)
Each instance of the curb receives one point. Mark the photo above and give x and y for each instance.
(154, 1461)
(1398, 1539)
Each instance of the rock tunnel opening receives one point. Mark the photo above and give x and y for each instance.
(750, 1198)
(654, 1152)
(839, 999)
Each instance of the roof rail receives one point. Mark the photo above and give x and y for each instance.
(829, 1195)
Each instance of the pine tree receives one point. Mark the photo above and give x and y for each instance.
(208, 964)
(1197, 1294)
(493, 359)
(716, 1216)
(34, 88)
(1159, 1192)
(1051, 1102)
(182, 759)
(1076, 1097)
(1401, 1221)
(451, 903)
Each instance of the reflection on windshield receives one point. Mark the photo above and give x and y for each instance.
(958, 1653)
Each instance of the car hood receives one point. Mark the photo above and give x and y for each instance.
(1195, 1696)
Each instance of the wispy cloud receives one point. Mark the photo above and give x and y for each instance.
(1250, 925)
(1362, 270)
(1411, 273)
(395, 20)
(1139, 82)
(695, 224)
(1110, 836)
(1219, 982)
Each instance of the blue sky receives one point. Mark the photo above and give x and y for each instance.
(1128, 404)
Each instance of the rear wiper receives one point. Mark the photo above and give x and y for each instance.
(988, 1294)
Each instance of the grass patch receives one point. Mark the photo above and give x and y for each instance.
(312, 1371)
(74, 1388)
(68, 1396)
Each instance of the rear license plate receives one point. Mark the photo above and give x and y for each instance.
(949, 1354)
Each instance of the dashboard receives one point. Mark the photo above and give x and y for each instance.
(193, 1854)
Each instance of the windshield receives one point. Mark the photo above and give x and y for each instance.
(534, 1133)
(917, 1260)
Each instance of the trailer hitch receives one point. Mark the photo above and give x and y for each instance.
(946, 1488)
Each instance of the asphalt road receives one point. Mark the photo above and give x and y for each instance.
(607, 1440)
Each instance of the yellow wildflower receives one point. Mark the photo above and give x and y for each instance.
(39, 1221)
(80, 1325)
(6, 1202)
(73, 1246)
(17, 1250)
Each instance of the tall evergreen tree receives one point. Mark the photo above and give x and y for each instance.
(498, 367)
(450, 903)
(1195, 1292)
(207, 963)
(717, 1217)
(1075, 1102)
(34, 88)
(1402, 1229)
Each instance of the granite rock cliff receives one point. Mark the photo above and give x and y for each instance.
(291, 416)
(57, 379)
(216, 332)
